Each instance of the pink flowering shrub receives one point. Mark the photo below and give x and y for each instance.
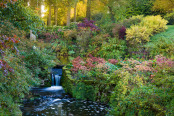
(78, 64)
(113, 61)
(151, 67)
(163, 63)
(90, 64)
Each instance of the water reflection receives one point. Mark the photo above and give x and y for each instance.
(59, 104)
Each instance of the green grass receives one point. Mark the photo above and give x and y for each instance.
(162, 43)
(168, 34)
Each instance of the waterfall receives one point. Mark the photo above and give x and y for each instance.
(56, 74)
(57, 79)
(52, 80)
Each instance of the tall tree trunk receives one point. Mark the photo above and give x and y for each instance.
(75, 10)
(68, 15)
(88, 10)
(112, 14)
(55, 15)
(49, 16)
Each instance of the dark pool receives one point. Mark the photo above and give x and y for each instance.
(52, 101)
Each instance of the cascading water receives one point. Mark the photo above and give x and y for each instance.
(52, 79)
(56, 76)
(57, 79)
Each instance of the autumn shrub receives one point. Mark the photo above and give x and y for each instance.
(96, 42)
(61, 47)
(112, 61)
(99, 39)
(15, 78)
(143, 87)
(136, 35)
(140, 34)
(50, 37)
(122, 33)
(154, 23)
(88, 24)
(92, 68)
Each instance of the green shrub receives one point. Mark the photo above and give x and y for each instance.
(114, 48)
(134, 20)
(139, 7)
(73, 25)
(22, 17)
(83, 38)
(107, 28)
(144, 100)
(38, 62)
(162, 46)
(83, 91)
(7, 28)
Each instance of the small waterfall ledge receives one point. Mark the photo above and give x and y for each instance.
(56, 74)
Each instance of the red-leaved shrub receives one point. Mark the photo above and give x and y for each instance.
(122, 32)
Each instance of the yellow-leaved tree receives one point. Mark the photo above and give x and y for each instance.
(163, 6)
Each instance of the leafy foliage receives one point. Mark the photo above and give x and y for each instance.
(21, 17)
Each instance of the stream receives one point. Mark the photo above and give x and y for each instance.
(53, 101)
